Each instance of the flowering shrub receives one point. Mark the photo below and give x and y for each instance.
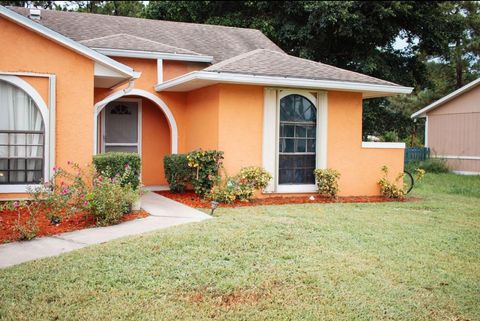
(256, 177)
(109, 200)
(327, 182)
(240, 187)
(224, 192)
(395, 189)
(206, 165)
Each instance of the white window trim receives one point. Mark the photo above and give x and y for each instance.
(139, 129)
(48, 116)
(383, 145)
(271, 133)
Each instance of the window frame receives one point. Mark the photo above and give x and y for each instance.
(295, 188)
(21, 84)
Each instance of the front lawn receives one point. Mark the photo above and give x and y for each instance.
(402, 261)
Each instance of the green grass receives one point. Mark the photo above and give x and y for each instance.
(391, 261)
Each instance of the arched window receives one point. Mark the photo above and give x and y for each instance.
(22, 137)
(297, 145)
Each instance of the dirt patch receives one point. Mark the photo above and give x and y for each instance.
(78, 221)
(238, 298)
(191, 199)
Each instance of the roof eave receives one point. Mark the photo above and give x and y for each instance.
(423, 112)
(207, 77)
(67, 42)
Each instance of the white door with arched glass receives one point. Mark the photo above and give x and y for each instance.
(22, 137)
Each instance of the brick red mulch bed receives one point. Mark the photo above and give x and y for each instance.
(78, 221)
(191, 199)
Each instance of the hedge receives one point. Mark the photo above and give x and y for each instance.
(115, 163)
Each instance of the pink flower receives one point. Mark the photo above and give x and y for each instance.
(55, 168)
(127, 166)
(16, 204)
(85, 203)
(69, 162)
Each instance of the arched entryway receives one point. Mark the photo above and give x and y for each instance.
(137, 121)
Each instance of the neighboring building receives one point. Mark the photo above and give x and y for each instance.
(452, 128)
(76, 84)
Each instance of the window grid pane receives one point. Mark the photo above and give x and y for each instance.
(21, 157)
(297, 141)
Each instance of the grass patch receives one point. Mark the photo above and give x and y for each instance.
(400, 261)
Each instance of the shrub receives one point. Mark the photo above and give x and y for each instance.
(177, 172)
(240, 187)
(109, 200)
(327, 182)
(395, 189)
(29, 229)
(125, 165)
(434, 165)
(206, 165)
(225, 192)
(257, 177)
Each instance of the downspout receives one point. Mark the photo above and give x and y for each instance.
(131, 82)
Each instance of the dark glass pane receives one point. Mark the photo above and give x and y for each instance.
(297, 108)
(301, 146)
(3, 176)
(299, 161)
(300, 131)
(17, 177)
(311, 131)
(286, 130)
(310, 161)
(296, 169)
(3, 164)
(289, 146)
(311, 145)
(299, 176)
(309, 176)
(17, 163)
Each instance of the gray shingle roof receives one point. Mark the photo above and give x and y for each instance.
(273, 63)
(211, 40)
(129, 42)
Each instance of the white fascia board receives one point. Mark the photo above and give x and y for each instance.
(65, 41)
(423, 112)
(152, 55)
(282, 81)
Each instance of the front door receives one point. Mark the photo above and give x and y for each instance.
(121, 126)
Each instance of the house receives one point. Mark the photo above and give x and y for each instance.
(75, 84)
(452, 128)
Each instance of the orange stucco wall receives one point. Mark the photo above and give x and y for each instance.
(155, 144)
(30, 52)
(360, 168)
(202, 118)
(173, 69)
(240, 126)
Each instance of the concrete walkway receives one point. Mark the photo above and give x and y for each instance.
(163, 213)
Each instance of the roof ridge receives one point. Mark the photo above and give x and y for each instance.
(139, 18)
